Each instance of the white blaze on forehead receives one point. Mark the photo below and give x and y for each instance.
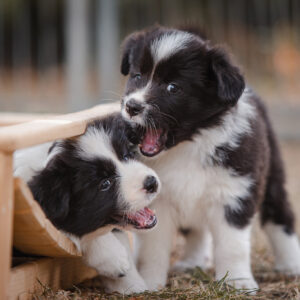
(96, 143)
(138, 95)
(169, 43)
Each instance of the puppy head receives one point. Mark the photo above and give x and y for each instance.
(178, 83)
(93, 181)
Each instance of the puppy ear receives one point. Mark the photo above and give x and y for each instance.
(132, 41)
(225, 78)
(51, 188)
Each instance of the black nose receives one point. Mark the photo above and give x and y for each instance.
(133, 107)
(150, 184)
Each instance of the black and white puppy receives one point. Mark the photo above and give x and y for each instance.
(89, 185)
(211, 143)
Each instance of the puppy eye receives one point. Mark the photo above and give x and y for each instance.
(128, 156)
(137, 77)
(172, 88)
(105, 185)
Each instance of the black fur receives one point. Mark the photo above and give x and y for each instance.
(218, 86)
(210, 86)
(68, 188)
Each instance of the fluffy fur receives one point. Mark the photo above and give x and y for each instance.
(89, 185)
(210, 141)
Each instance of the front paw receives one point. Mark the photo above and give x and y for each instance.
(245, 284)
(184, 265)
(155, 283)
(112, 264)
(115, 266)
(124, 285)
(291, 268)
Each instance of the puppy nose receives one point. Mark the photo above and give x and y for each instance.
(133, 107)
(150, 184)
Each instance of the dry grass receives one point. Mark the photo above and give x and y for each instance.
(192, 285)
(199, 285)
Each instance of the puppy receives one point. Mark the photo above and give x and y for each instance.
(89, 185)
(211, 143)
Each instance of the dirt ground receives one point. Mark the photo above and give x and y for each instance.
(199, 285)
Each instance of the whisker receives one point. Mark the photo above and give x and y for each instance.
(165, 114)
(113, 92)
(109, 100)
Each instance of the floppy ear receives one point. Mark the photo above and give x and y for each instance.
(226, 79)
(51, 188)
(132, 41)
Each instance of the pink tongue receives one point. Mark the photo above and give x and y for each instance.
(143, 217)
(150, 143)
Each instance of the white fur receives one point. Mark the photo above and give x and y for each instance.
(169, 43)
(161, 48)
(198, 251)
(286, 249)
(194, 192)
(133, 175)
(106, 254)
(231, 251)
(30, 160)
(102, 250)
(132, 282)
(139, 96)
(96, 143)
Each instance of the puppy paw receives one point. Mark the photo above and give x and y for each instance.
(291, 268)
(112, 263)
(114, 266)
(184, 265)
(247, 284)
(125, 286)
(154, 284)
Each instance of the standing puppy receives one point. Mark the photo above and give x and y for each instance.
(210, 141)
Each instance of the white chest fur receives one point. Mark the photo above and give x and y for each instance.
(191, 183)
(193, 188)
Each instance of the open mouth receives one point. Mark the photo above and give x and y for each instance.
(142, 219)
(153, 142)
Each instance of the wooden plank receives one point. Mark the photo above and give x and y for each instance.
(9, 118)
(6, 219)
(56, 273)
(44, 130)
(33, 232)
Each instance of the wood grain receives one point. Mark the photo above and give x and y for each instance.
(6, 220)
(56, 273)
(44, 130)
(33, 233)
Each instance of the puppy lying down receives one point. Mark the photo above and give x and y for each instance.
(88, 186)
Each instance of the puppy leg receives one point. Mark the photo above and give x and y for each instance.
(277, 216)
(155, 248)
(286, 248)
(278, 219)
(106, 254)
(198, 251)
(130, 283)
(232, 251)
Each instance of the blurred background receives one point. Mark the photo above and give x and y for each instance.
(63, 55)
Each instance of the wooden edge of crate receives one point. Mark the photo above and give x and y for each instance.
(10, 118)
(33, 232)
(57, 273)
(48, 129)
